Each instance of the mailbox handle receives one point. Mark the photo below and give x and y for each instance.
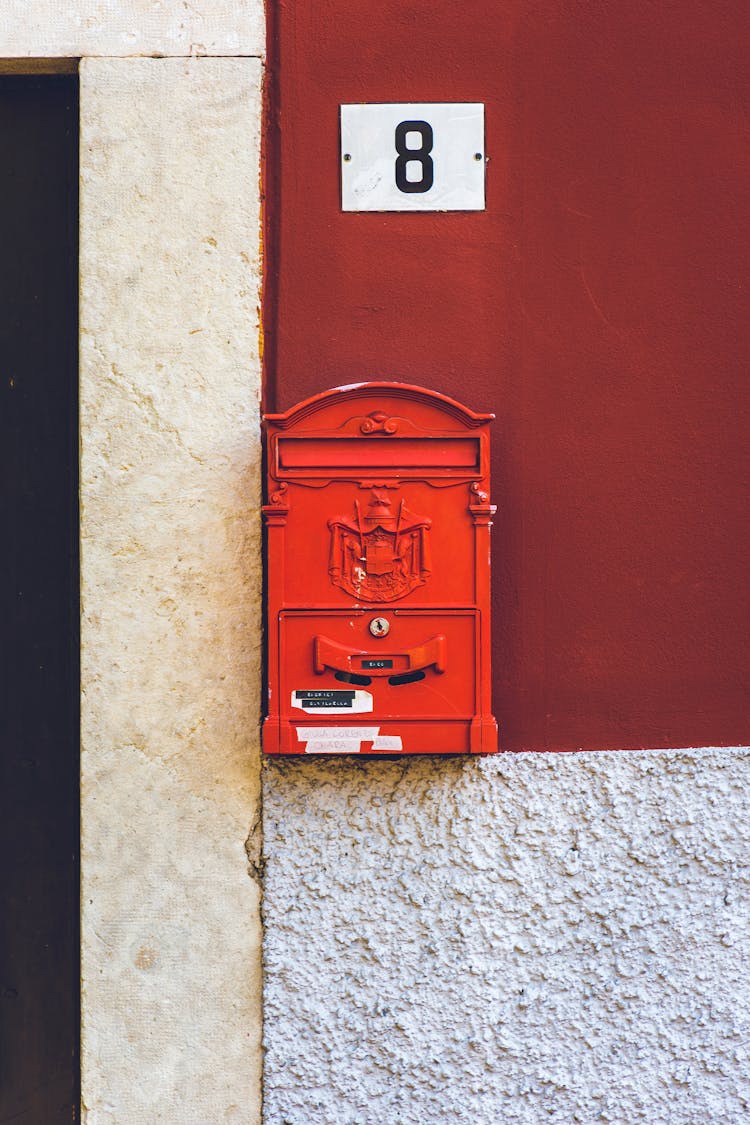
(330, 654)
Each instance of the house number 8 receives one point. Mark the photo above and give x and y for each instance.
(409, 155)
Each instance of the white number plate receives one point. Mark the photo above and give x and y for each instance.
(416, 156)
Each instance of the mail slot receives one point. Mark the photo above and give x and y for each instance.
(378, 521)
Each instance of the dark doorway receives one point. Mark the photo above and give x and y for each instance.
(39, 836)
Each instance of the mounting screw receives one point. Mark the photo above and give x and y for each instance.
(477, 156)
(347, 156)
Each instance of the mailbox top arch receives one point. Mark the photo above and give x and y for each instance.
(378, 430)
(374, 430)
(424, 408)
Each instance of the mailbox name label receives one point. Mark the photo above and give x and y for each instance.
(313, 703)
(329, 702)
(342, 698)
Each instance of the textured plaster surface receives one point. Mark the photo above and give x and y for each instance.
(72, 28)
(171, 590)
(527, 938)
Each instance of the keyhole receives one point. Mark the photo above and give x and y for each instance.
(379, 627)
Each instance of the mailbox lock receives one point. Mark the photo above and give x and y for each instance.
(379, 627)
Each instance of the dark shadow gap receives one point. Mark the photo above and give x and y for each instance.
(39, 764)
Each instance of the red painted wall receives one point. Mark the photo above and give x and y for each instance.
(599, 306)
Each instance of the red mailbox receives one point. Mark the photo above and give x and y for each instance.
(378, 561)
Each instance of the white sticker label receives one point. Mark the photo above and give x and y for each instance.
(388, 742)
(346, 740)
(413, 156)
(334, 746)
(362, 734)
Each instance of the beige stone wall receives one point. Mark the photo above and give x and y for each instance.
(170, 383)
(171, 589)
(74, 28)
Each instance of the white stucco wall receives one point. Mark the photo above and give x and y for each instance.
(527, 938)
(171, 580)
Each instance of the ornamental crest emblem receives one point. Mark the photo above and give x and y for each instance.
(380, 555)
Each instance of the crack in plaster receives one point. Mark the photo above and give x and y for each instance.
(256, 863)
(145, 402)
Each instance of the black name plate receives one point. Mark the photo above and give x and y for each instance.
(340, 703)
(333, 696)
(315, 698)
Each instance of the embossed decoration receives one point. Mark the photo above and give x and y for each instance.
(379, 422)
(381, 555)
